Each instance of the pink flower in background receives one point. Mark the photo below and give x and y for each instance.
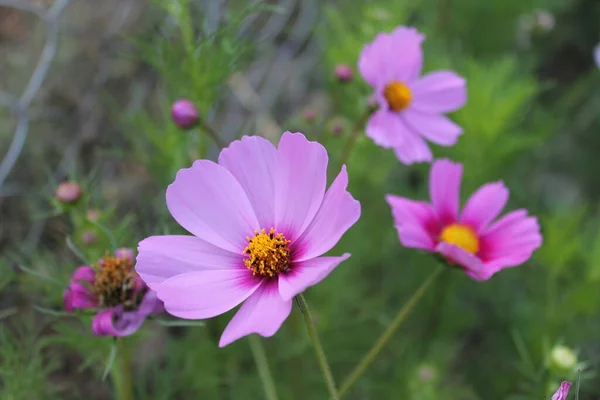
(261, 219)
(411, 107)
(114, 287)
(471, 239)
(562, 392)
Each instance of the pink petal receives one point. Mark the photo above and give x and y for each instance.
(510, 241)
(307, 273)
(210, 203)
(102, 324)
(562, 392)
(251, 161)
(415, 221)
(413, 149)
(472, 265)
(394, 56)
(204, 294)
(386, 129)
(439, 92)
(337, 214)
(300, 180)
(79, 294)
(262, 313)
(444, 189)
(162, 257)
(484, 205)
(436, 128)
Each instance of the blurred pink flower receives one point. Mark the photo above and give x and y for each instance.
(470, 239)
(411, 107)
(261, 219)
(113, 287)
(562, 392)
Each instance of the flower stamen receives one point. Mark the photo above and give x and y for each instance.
(462, 236)
(268, 253)
(115, 282)
(398, 95)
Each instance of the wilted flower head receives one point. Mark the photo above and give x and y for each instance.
(411, 107)
(562, 392)
(261, 219)
(184, 113)
(68, 192)
(470, 239)
(344, 73)
(113, 286)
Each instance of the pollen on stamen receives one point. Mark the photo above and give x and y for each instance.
(397, 95)
(268, 253)
(462, 236)
(115, 282)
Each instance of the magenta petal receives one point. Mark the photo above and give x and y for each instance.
(386, 129)
(510, 241)
(79, 293)
(300, 180)
(205, 294)
(562, 392)
(436, 128)
(472, 265)
(210, 203)
(251, 160)
(484, 205)
(337, 214)
(444, 189)
(415, 221)
(413, 149)
(261, 313)
(102, 324)
(307, 273)
(162, 257)
(439, 92)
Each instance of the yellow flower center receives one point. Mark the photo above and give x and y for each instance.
(268, 253)
(462, 236)
(114, 282)
(398, 96)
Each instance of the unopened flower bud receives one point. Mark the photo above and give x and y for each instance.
(68, 192)
(125, 253)
(184, 114)
(89, 237)
(563, 358)
(93, 215)
(309, 115)
(344, 73)
(337, 126)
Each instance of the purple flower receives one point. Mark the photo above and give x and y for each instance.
(184, 113)
(411, 107)
(115, 288)
(562, 392)
(261, 220)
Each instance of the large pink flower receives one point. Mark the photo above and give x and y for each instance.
(562, 392)
(411, 106)
(260, 219)
(470, 239)
(113, 287)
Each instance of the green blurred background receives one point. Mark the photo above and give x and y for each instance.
(101, 118)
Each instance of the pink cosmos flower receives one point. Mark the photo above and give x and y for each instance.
(562, 392)
(113, 287)
(411, 106)
(470, 239)
(261, 219)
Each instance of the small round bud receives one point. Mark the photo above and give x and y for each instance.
(89, 237)
(309, 115)
(125, 253)
(344, 73)
(184, 114)
(337, 126)
(563, 358)
(93, 215)
(68, 192)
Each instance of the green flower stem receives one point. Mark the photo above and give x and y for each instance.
(312, 333)
(362, 366)
(121, 371)
(358, 127)
(260, 357)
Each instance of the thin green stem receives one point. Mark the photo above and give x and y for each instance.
(121, 371)
(312, 333)
(354, 137)
(260, 357)
(363, 364)
(211, 133)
